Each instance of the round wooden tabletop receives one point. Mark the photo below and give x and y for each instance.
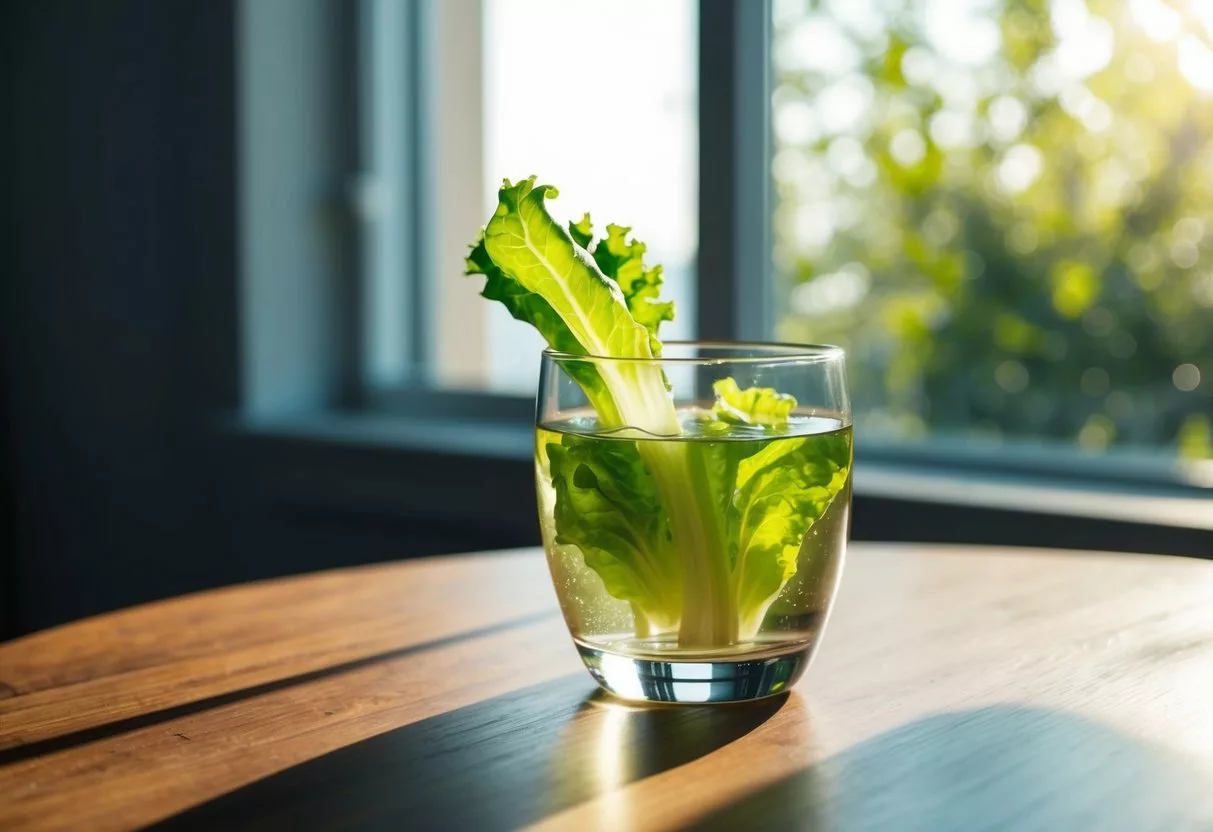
(957, 688)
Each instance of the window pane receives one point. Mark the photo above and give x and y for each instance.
(598, 99)
(1003, 210)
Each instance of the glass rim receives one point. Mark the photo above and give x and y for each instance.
(776, 352)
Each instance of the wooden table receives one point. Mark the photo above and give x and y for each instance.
(957, 688)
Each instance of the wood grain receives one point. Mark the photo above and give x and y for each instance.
(189, 649)
(958, 688)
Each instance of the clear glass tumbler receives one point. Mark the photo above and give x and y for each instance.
(695, 511)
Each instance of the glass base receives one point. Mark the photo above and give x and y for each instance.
(694, 682)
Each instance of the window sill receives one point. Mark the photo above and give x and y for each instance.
(1034, 495)
(391, 434)
(459, 467)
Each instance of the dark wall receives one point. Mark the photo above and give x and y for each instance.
(119, 318)
(122, 479)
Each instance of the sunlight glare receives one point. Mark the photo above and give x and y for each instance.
(818, 45)
(961, 32)
(614, 766)
(620, 673)
(1159, 21)
(1196, 63)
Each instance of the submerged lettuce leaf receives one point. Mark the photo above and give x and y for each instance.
(770, 499)
(608, 507)
(781, 492)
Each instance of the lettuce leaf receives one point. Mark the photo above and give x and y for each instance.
(754, 406)
(770, 498)
(702, 535)
(539, 255)
(623, 260)
(781, 491)
(582, 231)
(530, 307)
(543, 276)
(608, 507)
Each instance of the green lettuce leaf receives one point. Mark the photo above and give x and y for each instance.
(622, 260)
(761, 504)
(582, 231)
(537, 253)
(531, 308)
(522, 304)
(781, 491)
(755, 406)
(546, 278)
(608, 507)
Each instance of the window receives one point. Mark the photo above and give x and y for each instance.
(1002, 209)
(999, 208)
(598, 99)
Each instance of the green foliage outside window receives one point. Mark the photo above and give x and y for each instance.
(1006, 217)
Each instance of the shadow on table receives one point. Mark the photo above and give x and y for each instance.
(499, 764)
(1000, 767)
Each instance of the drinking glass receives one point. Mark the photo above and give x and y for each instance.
(695, 510)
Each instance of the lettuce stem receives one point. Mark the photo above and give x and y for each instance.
(709, 609)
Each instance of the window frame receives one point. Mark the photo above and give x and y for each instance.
(734, 171)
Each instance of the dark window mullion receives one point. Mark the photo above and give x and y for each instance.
(390, 67)
(420, 190)
(734, 263)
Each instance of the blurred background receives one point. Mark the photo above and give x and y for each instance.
(237, 342)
